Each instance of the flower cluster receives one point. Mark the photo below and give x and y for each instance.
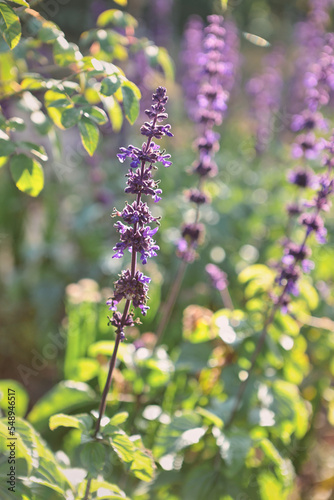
(295, 259)
(265, 91)
(217, 276)
(213, 76)
(135, 231)
(190, 59)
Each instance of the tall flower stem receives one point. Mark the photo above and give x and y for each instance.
(169, 306)
(290, 275)
(132, 285)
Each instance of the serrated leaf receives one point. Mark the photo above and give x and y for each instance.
(110, 84)
(143, 465)
(123, 446)
(24, 444)
(27, 174)
(130, 102)
(70, 117)
(10, 26)
(83, 422)
(93, 456)
(89, 134)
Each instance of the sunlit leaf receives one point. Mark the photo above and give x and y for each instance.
(183, 431)
(131, 96)
(89, 134)
(256, 40)
(83, 422)
(116, 17)
(10, 26)
(21, 396)
(27, 174)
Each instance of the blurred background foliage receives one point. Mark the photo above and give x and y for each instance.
(56, 270)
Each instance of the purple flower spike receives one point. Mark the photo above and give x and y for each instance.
(135, 232)
(217, 276)
(303, 178)
(210, 64)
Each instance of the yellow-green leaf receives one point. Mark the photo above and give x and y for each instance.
(89, 134)
(130, 101)
(116, 17)
(114, 111)
(10, 26)
(123, 3)
(27, 173)
(20, 2)
(82, 422)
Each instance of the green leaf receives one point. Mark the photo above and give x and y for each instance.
(123, 446)
(183, 431)
(143, 465)
(21, 396)
(3, 161)
(6, 147)
(16, 124)
(54, 101)
(166, 63)
(110, 85)
(119, 418)
(24, 445)
(117, 18)
(64, 397)
(96, 114)
(64, 53)
(93, 456)
(49, 32)
(10, 26)
(83, 422)
(115, 491)
(89, 134)
(114, 111)
(33, 148)
(20, 2)
(70, 117)
(234, 447)
(130, 102)
(84, 369)
(224, 4)
(27, 174)
(270, 487)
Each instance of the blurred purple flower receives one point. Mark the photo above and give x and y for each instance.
(217, 276)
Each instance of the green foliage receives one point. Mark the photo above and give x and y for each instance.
(10, 26)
